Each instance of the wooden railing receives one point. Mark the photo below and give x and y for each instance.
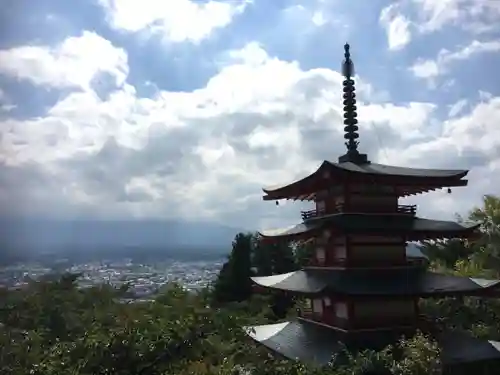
(400, 209)
(359, 323)
(368, 263)
(312, 213)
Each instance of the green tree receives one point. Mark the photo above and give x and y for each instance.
(180, 333)
(273, 258)
(262, 258)
(447, 252)
(303, 250)
(488, 246)
(233, 282)
(51, 327)
(484, 252)
(488, 216)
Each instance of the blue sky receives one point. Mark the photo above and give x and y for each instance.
(183, 108)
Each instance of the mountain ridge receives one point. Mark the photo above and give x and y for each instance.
(56, 234)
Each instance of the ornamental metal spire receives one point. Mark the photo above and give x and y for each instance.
(350, 114)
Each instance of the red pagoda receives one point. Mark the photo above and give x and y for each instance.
(361, 290)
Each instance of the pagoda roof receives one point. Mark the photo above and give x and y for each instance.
(311, 343)
(390, 170)
(375, 282)
(379, 223)
(433, 178)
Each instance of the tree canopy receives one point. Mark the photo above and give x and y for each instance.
(472, 257)
(52, 327)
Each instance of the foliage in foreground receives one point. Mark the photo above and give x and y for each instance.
(52, 327)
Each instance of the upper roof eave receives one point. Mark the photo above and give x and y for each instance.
(448, 177)
(395, 171)
(281, 188)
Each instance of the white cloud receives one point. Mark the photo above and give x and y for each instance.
(436, 14)
(477, 16)
(425, 69)
(475, 131)
(207, 153)
(397, 27)
(73, 63)
(472, 137)
(309, 17)
(5, 105)
(430, 69)
(473, 48)
(470, 141)
(175, 20)
(404, 120)
(319, 18)
(456, 108)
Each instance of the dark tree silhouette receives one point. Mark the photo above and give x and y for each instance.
(271, 258)
(233, 282)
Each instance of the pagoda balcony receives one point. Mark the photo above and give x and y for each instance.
(360, 323)
(402, 209)
(367, 263)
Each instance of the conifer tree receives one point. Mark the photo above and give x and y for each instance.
(233, 282)
(272, 258)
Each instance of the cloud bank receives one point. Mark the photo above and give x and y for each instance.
(186, 110)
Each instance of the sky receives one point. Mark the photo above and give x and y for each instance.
(186, 108)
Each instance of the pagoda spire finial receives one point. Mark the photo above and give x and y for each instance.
(350, 114)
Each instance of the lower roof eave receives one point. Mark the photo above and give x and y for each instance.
(296, 341)
(413, 229)
(292, 232)
(298, 293)
(280, 282)
(383, 296)
(311, 343)
(357, 283)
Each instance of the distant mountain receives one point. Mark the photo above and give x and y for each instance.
(123, 238)
(40, 235)
(413, 250)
